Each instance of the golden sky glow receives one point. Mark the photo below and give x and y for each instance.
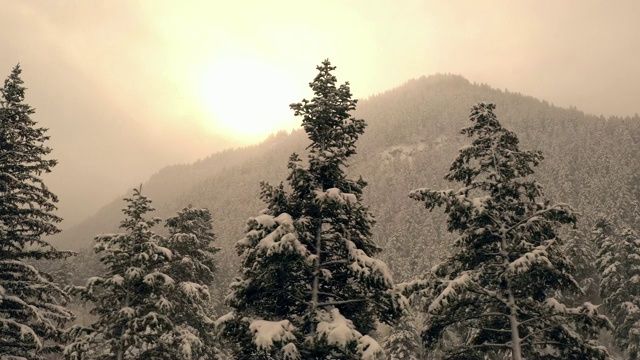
(246, 97)
(128, 86)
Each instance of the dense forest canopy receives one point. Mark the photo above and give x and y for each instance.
(590, 162)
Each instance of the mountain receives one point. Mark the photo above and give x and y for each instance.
(412, 137)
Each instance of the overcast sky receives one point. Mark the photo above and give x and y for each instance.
(127, 87)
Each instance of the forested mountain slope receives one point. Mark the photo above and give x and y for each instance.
(411, 139)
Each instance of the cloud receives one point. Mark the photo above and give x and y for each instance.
(118, 82)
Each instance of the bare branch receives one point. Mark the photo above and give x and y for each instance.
(340, 302)
(333, 262)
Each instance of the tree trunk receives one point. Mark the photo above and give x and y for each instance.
(316, 272)
(120, 350)
(516, 349)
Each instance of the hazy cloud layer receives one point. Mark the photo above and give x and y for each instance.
(122, 84)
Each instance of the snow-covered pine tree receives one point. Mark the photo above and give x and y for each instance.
(581, 251)
(310, 286)
(619, 264)
(131, 301)
(32, 313)
(503, 278)
(192, 268)
(404, 343)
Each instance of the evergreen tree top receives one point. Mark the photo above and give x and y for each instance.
(13, 91)
(503, 161)
(137, 206)
(192, 220)
(329, 126)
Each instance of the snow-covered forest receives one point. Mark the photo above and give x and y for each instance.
(379, 230)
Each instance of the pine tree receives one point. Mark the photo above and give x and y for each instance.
(619, 265)
(32, 312)
(404, 340)
(192, 268)
(503, 279)
(581, 250)
(131, 302)
(310, 286)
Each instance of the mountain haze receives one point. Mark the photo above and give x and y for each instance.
(411, 139)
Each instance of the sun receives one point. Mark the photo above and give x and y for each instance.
(248, 98)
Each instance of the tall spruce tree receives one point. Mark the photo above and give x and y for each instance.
(619, 265)
(404, 341)
(310, 286)
(581, 249)
(32, 312)
(132, 301)
(503, 279)
(192, 268)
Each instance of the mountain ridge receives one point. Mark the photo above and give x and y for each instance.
(411, 139)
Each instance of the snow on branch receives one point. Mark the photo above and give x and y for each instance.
(133, 272)
(158, 278)
(340, 331)
(454, 287)
(161, 250)
(586, 309)
(369, 349)
(335, 195)
(222, 320)
(337, 329)
(416, 285)
(558, 212)
(555, 306)
(188, 340)
(283, 238)
(194, 290)
(630, 308)
(280, 240)
(526, 261)
(265, 220)
(290, 352)
(432, 198)
(418, 289)
(25, 270)
(267, 333)
(476, 206)
(479, 204)
(127, 312)
(25, 333)
(611, 269)
(368, 267)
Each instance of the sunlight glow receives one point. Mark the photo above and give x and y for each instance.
(248, 98)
